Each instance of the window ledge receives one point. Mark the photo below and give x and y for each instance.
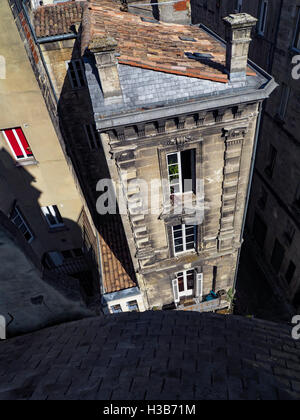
(26, 162)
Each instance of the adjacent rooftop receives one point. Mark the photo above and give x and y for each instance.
(150, 44)
(57, 19)
(153, 356)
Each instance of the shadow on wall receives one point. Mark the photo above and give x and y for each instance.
(75, 111)
(31, 296)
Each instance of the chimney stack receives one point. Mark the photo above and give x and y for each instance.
(238, 37)
(177, 12)
(104, 50)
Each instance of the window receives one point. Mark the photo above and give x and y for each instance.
(259, 231)
(116, 309)
(181, 171)
(184, 238)
(277, 256)
(262, 17)
(18, 143)
(290, 272)
(53, 216)
(76, 73)
(285, 95)
(296, 40)
(18, 220)
(239, 5)
(271, 161)
(133, 306)
(92, 136)
(187, 283)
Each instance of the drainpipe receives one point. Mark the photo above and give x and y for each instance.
(248, 192)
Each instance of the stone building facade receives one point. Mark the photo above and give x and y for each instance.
(152, 115)
(186, 108)
(273, 219)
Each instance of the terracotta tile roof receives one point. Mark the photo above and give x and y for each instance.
(117, 268)
(158, 46)
(57, 19)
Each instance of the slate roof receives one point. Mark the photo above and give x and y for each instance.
(146, 89)
(117, 268)
(57, 19)
(158, 46)
(153, 355)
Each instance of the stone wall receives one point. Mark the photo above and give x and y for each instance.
(273, 51)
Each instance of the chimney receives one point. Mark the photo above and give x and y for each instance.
(238, 37)
(104, 50)
(177, 12)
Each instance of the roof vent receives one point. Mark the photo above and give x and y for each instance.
(186, 38)
(199, 56)
(150, 20)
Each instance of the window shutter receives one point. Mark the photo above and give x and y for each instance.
(12, 141)
(175, 290)
(24, 142)
(199, 285)
(18, 143)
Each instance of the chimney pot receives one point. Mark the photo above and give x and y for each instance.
(238, 37)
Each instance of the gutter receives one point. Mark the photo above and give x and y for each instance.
(55, 38)
(257, 132)
(214, 102)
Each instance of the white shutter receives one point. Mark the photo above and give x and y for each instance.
(175, 290)
(199, 284)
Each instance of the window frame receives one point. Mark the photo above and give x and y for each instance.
(296, 35)
(26, 156)
(284, 101)
(55, 213)
(93, 141)
(186, 290)
(184, 239)
(116, 311)
(263, 14)
(180, 182)
(75, 70)
(23, 223)
(239, 6)
(131, 304)
(178, 154)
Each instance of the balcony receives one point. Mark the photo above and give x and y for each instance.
(197, 306)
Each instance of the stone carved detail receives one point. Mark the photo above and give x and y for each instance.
(181, 122)
(219, 115)
(234, 133)
(161, 126)
(124, 156)
(120, 134)
(178, 141)
(200, 118)
(141, 130)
